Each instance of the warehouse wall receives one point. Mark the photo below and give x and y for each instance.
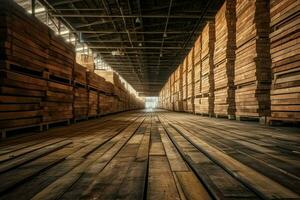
(42, 84)
(244, 65)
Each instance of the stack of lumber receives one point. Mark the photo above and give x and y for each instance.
(24, 40)
(184, 84)
(58, 103)
(93, 103)
(177, 98)
(86, 60)
(106, 104)
(285, 50)
(61, 59)
(224, 56)
(197, 74)
(172, 91)
(81, 103)
(252, 74)
(80, 75)
(95, 82)
(207, 83)
(81, 95)
(114, 80)
(20, 99)
(190, 81)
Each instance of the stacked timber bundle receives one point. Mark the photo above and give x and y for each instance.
(190, 81)
(224, 57)
(86, 60)
(172, 91)
(96, 82)
(58, 103)
(20, 100)
(106, 104)
(184, 84)
(252, 65)
(93, 103)
(81, 103)
(207, 83)
(197, 75)
(80, 75)
(81, 95)
(177, 99)
(285, 50)
(61, 59)
(24, 40)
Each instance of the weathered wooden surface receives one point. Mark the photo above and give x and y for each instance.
(153, 155)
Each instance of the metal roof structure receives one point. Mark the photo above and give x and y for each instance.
(143, 40)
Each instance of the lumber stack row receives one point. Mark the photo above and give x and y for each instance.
(58, 103)
(207, 66)
(190, 81)
(25, 40)
(252, 74)
(41, 83)
(20, 99)
(285, 53)
(184, 84)
(61, 59)
(224, 57)
(197, 74)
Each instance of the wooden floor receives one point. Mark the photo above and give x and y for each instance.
(153, 155)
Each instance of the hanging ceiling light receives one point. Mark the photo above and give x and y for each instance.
(137, 20)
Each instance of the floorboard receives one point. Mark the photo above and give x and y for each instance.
(153, 155)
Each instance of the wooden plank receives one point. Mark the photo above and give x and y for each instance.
(258, 182)
(161, 184)
(192, 187)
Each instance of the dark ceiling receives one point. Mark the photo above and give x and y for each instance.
(153, 35)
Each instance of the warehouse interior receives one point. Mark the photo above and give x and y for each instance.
(150, 99)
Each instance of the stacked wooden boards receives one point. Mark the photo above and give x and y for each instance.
(190, 81)
(61, 59)
(224, 57)
(207, 69)
(285, 53)
(41, 83)
(197, 74)
(184, 84)
(252, 74)
(177, 90)
(243, 72)
(25, 41)
(20, 99)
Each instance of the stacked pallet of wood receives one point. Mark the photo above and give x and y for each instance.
(172, 91)
(224, 57)
(61, 59)
(190, 81)
(58, 103)
(207, 83)
(197, 74)
(177, 98)
(285, 51)
(24, 40)
(20, 99)
(93, 103)
(81, 95)
(95, 82)
(184, 84)
(252, 64)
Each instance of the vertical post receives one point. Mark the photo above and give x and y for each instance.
(33, 7)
